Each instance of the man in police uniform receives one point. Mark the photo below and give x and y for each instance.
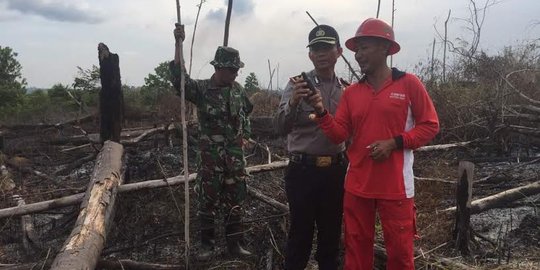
(224, 127)
(314, 177)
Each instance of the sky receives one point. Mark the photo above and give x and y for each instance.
(53, 37)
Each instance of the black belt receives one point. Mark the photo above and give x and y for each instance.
(316, 160)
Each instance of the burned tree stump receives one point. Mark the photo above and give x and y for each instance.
(111, 98)
(85, 243)
(462, 229)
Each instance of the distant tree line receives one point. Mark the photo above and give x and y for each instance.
(19, 104)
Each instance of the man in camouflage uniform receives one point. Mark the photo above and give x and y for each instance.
(224, 127)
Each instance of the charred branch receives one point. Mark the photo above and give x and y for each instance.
(149, 184)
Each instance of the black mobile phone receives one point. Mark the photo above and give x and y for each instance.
(309, 82)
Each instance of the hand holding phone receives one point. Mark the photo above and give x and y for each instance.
(310, 84)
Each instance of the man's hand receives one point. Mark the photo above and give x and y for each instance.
(316, 102)
(381, 150)
(179, 33)
(300, 91)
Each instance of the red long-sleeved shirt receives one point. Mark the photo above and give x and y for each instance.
(401, 108)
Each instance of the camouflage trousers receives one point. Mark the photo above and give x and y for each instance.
(219, 190)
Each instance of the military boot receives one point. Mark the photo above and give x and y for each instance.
(208, 241)
(235, 236)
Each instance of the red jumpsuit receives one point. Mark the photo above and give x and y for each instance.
(401, 109)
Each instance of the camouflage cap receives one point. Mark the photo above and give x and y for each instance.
(227, 57)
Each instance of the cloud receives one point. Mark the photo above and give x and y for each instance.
(57, 10)
(240, 8)
(216, 15)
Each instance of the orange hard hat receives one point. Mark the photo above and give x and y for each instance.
(374, 28)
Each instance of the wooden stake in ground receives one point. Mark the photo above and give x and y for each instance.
(111, 99)
(184, 138)
(462, 232)
(85, 243)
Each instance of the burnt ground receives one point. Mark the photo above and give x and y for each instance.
(148, 225)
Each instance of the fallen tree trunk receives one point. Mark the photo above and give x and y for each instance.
(501, 198)
(529, 131)
(126, 137)
(85, 243)
(524, 116)
(529, 108)
(259, 195)
(145, 134)
(158, 183)
(442, 146)
(75, 164)
(78, 121)
(41, 206)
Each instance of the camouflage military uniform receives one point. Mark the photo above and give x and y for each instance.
(223, 124)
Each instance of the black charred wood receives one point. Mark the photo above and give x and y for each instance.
(111, 98)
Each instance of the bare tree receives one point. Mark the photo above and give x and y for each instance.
(445, 42)
(432, 68)
(193, 37)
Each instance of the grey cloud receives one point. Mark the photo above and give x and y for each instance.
(64, 11)
(240, 8)
(243, 7)
(216, 15)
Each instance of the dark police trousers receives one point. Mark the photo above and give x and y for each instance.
(315, 196)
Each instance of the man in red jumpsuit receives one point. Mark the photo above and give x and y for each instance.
(386, 115)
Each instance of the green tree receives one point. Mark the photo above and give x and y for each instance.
(58, 92)
(86, 85)
(252, 84)
(157, 84)
(12, 84)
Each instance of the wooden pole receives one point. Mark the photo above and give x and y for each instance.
(227, 23)
(462, 231)
(184, 142)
